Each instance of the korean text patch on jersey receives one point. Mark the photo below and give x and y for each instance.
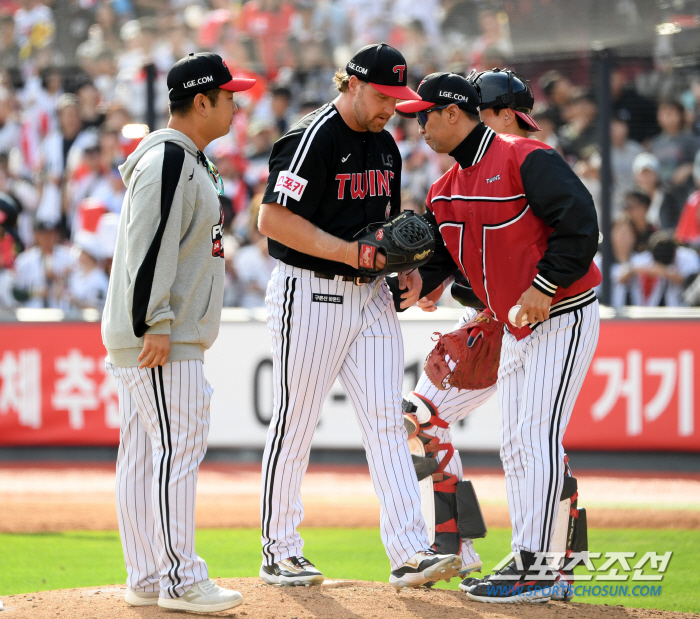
(291, 185)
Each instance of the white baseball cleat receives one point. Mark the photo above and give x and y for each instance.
(293, 571)
(141, 598)
(203, 597)
(425, 566)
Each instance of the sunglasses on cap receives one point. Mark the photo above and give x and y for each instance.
(422, 117)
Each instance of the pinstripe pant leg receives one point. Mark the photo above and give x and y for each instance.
(133, 493)
(309, 342)
(550, 391)
(173, 405)
(510, 386)
(556, 359)
(372, 376)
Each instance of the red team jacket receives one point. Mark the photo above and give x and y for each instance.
(512, 214)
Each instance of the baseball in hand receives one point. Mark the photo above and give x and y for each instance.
(512, 313)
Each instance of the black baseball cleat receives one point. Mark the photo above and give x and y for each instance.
(293, 571)
(511, 586)
(470, 582)
(424, 567)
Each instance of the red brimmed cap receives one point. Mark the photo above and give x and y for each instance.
(201, 72)
(384, 68)
(528, 120)
(442, 89)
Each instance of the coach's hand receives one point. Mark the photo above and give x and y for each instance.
(533, 304)
(156, 349)
(429, 301)
(414, 282)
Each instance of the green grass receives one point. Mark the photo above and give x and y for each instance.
(38, 562)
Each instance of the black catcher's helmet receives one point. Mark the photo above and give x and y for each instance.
(505, 88)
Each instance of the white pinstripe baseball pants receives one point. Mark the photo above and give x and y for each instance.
(453, 405)
(539, 380)
(164, 415)
(322, 329)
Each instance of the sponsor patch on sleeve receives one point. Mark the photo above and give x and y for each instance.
(291, 185)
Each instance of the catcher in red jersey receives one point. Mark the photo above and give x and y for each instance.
(521, 228)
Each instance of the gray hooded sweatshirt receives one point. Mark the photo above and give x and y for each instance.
(168, 269)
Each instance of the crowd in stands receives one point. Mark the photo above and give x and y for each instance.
(73, 105)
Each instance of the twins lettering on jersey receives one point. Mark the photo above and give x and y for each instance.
(291, 185)
(374, 182)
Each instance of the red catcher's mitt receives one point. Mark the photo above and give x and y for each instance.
(474, 350)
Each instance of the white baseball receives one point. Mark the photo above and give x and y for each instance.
(512, 314)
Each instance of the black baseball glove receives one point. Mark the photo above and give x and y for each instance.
(406, 240)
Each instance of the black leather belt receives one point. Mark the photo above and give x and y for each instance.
(346, 278)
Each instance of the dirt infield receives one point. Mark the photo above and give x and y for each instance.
(337, 599)
(41, 498)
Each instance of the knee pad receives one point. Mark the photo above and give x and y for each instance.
(420, 407)
(450, 508)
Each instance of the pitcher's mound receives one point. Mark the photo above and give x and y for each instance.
(336, 599)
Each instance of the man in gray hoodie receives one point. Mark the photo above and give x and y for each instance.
(162, 312)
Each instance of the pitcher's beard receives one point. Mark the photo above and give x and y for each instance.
(373, 124)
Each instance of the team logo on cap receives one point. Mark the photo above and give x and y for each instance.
(400, 68)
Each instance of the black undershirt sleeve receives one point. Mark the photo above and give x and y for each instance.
(436, 271)
(558, 197)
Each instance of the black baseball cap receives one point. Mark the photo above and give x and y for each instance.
(442, 89)
(201, 72)
(384, 68)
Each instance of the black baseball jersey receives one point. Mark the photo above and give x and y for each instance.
(339, 179)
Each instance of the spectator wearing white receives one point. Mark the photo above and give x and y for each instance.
(85, 181)
(664, 210)
(88, 282)
(622, 155)
(664, 271)
(623, 238)
(39, 99)
(41, 272)
(33, 23)
(62, 149)
(111, 191)
(9, 127)
(60, 154)
(253, 264)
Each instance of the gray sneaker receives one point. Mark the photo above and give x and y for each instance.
(141, 598)
(203, 597)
